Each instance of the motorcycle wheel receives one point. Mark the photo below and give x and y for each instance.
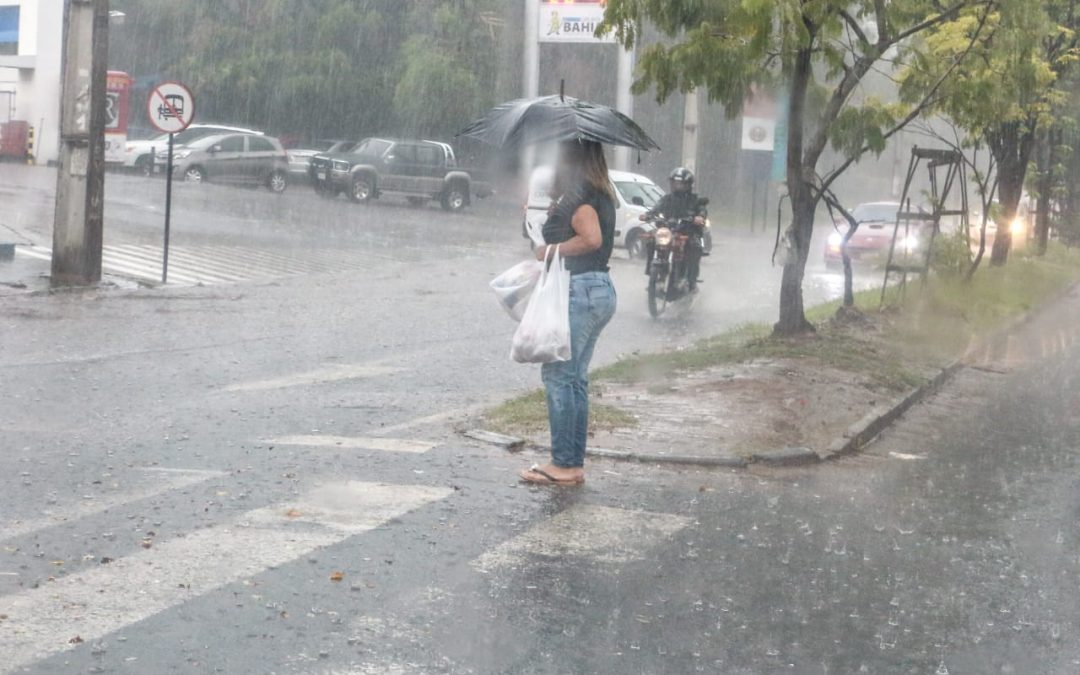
(658, 292)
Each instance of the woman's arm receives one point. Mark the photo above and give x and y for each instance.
(587, 236)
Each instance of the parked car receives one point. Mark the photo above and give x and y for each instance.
(420, 171)
(635, 194)
(300, 157)
(871, 242)
(140, 154)
(245, 159)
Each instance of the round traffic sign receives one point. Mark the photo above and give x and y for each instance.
(170, 107)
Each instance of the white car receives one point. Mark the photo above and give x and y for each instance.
(140, 154)
(635, 194)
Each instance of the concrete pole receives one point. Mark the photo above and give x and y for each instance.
(690, 131)
(80, 190)
(531, 76)
(624, 101)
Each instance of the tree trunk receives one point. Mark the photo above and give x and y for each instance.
(1047, 160)
(803, 205)
(792, 310)
(1012, 144)
(1011, 189)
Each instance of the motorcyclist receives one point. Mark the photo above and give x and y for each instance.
(681, 203)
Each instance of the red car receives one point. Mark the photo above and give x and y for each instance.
(871, 241)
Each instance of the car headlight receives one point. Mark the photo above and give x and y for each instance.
(183, 154)
(663, 237)
(1017, 227)
(835, 240)
(911, 242)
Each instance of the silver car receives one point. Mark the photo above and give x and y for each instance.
(244, 159)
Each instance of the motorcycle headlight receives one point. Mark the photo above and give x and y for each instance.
(1017, 227)
(663, 237)
(708, 223)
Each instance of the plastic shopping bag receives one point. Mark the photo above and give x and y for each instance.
(515, 286)
(543, 336)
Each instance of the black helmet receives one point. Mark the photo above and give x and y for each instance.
(682, 179)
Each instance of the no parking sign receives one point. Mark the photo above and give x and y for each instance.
(170, 107)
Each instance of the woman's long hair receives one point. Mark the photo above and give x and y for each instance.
(582, 163)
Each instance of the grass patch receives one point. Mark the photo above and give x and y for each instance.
(527, 415)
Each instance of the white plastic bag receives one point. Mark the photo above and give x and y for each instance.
(544, 333)
(515, 287)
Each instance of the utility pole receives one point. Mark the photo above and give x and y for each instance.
(624, 100)
(80, 188)
(690, 130)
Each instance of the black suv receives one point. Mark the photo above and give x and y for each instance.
(420, 171)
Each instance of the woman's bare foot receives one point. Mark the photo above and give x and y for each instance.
(549, 474)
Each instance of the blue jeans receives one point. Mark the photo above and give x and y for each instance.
(592, 304)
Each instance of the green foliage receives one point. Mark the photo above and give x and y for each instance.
(951, 255)
(319, 67)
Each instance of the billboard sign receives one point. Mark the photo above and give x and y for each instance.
(117, 101)
(572, 21)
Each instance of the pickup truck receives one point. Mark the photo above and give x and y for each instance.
(420, 171)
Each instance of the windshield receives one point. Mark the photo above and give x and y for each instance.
(648, 193)
(372, 147)
(876, 213)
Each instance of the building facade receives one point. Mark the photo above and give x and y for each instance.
(31, 42)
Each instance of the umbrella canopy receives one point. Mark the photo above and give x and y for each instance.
(556, 118)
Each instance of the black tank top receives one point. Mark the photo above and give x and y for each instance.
(558, 228)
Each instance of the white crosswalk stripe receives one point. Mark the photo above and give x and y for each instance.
(212, 265)
(43, 621)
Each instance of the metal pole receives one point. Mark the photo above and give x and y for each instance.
(531, 76)
(168, 213)
(624, 101)
(80, 189)
(690, 130)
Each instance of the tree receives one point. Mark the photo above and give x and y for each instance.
(820, 52)
(1007, 91)
(448, 65)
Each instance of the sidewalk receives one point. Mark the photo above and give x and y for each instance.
(745, 397)
(23, 275)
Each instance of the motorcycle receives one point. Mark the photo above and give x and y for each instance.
(668, 280)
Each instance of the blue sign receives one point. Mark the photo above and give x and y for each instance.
(9, 26)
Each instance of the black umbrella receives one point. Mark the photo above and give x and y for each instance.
(529, 121)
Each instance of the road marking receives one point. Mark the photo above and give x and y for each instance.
(430, 419)
(327, 374)
(171, 479)
(355, 443)
(92, 604)
(599, 533)
(213, 265)
(905, 456)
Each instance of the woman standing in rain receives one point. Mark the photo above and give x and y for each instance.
(582, 223)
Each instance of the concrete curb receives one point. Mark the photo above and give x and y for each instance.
(860, 434)
(870, 427)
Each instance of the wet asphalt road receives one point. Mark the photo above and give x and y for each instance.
(185, 471)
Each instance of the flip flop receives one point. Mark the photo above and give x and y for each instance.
(547, 478)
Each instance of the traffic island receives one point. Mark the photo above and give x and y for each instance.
(745, 397)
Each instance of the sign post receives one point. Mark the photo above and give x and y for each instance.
(170, 108)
